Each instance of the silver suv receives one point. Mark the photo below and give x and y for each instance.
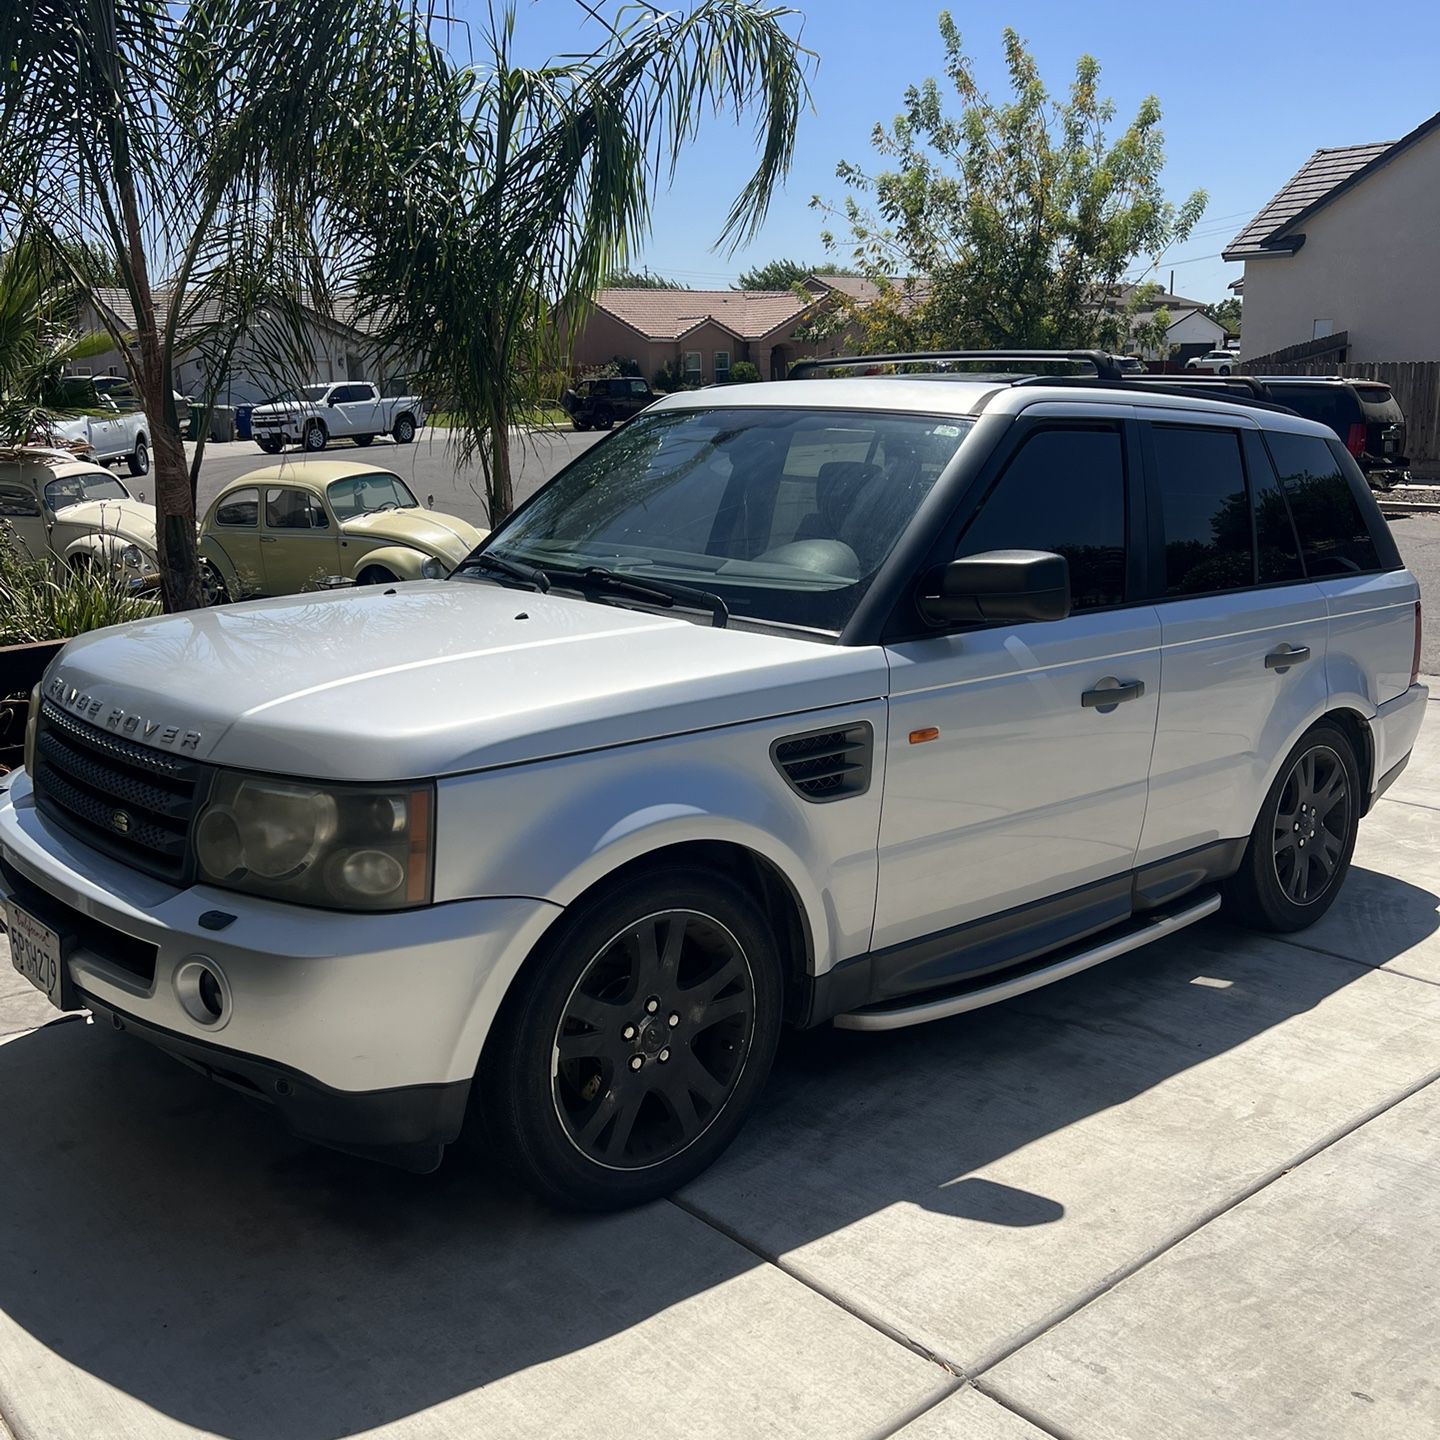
(862, 700)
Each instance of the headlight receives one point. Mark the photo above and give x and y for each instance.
(32, 729)
(132, 557)
(341, 847)
(434, 569)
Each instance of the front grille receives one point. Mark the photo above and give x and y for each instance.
(132, 802)
(826, 765)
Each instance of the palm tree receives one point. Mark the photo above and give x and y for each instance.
(261, 153)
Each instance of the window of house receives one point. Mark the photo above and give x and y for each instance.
(1205, 510)
(692, 365)
(722, 365)
(294, 510)
(240, 510)
(1333, 535)
(1065, 493)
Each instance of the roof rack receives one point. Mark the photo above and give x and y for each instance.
(1104, 366)
(1254, 394)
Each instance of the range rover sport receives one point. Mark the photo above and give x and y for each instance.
(862, 701)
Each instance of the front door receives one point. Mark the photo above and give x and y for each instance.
(1010, 779)
(359, 410)
(299, 544)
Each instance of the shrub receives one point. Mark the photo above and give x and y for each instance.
(744, 372)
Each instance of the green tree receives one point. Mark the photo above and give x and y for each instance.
(1226, 312)
(1013, 221)
(640, 280)
(785, 274)
(460, 209)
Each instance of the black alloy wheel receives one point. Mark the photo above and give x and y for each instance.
(635, 1040)
(653, 1040)
(1312, 822)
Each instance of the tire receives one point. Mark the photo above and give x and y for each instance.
(270, 445)
(684, 1044)
(1299, 851)
(363, 440)
(212, 584)
(1224, 369)
(139, 462)
(580, 424)
(604, 422)
(376, 575)
(404, 431)
(316, 437)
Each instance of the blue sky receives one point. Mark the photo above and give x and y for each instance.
(1247, 93)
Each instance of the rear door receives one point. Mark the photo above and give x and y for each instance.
(1243, 630)
(1006, 782)
(1384, 422)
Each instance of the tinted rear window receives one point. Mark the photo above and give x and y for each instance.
(1379, 404)
(1332, 405)
(1209, 544)
(1333, 535)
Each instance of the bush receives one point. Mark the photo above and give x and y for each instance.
(744, 372)
(667, 378)
(43, 601)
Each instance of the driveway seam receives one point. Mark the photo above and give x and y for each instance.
(1413, 804)
(1065, 1312)
(1018, 1407)
(824, 1291)
(1351, 960)
(921, 1407)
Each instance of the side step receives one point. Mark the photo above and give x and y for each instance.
(947, 1005)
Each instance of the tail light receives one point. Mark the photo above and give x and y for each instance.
(1415, 658)
(1355, 441)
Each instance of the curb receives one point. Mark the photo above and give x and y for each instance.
(1407, 507)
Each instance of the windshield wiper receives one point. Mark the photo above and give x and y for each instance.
(658, 592)
(531, 575)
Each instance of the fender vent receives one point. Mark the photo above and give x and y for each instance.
(826, 765)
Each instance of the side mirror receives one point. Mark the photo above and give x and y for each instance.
(998, 586)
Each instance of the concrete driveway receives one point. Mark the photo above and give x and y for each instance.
(1193, 1193)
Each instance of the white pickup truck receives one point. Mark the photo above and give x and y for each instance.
(314, 415)
(111, 433)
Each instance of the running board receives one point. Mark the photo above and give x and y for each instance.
(948, 1005)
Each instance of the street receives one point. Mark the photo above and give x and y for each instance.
(428, 466)
(1418, 537)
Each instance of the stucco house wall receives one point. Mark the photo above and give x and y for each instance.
(1367, 267)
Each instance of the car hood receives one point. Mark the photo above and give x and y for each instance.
(278, 407)
(444, 535)
(130, 520)
(435, 678)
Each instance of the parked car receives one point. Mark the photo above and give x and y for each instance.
(78, 514)
(837, 701)
(119, 389)
(276, 531)
(1363, 413)
(1130, 365)
(1217, 362)
(109, 433)
(314, 415)
(598, 403)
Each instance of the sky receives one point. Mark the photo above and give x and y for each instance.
(1247, 95)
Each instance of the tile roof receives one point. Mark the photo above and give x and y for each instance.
(342, 311)
(669, 314)
(1321, 174)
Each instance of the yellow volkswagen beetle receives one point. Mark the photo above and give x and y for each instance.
(288, 528)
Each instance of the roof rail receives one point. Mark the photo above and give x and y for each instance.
(1158, 385)
(1105, 368)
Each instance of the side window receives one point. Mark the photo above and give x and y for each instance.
(347, 394)
(639, 387)
(17, 501)
(1205, 510)
(1064, 492)
(240, 511)
(293, 510)
(1278, 551)
(619, 388)
(1333, 535)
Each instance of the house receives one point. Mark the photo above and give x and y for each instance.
(1190, 331)
(702, 334)
(1348, 245)
(337, 346)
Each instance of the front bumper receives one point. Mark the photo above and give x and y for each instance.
(363, 1030)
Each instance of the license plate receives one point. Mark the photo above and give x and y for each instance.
(36, 952)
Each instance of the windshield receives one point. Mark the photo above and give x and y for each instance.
(72, 489)
(359, 494)
(785, 514)
(305, 392)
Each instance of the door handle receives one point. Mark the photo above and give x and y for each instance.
(267, 539)
(1109, 693)
(1284, 659)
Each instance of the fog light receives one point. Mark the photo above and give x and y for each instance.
(203, 993)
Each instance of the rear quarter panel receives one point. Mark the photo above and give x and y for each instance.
(1372, 638)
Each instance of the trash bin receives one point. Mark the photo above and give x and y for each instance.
(242, 421)
(222, 422)
(192, 425)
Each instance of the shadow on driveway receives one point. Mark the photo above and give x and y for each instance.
(165, 1236)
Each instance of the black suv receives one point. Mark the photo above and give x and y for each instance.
(1363, 413)
(598, 404)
